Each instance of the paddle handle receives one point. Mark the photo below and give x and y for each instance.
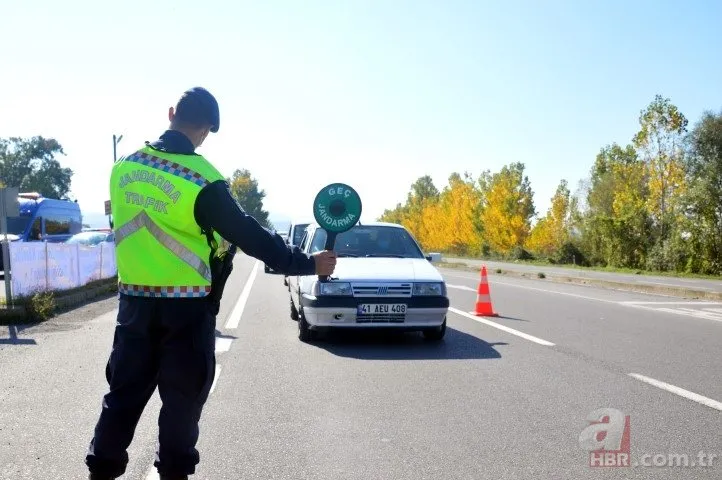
(330, 243)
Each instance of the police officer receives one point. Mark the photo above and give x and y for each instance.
(173, 218)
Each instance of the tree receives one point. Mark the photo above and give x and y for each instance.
(615, 228)
(452, 225)
(660, 142)
(553, 230)
(423, 189)
(705, 196)
(422, 194)
(245, 189)
(30, 165)
(395, 215)
(507, 207)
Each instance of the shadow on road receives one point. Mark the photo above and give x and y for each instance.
(220, 335)
(13, 337)
(379, 345)
(504, 317)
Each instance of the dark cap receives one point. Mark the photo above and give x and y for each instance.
(198, 106)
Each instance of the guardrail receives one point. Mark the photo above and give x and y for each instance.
(45, 266)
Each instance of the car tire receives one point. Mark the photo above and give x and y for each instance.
(266, 269)
(435, 334)
(294, 311)
(305, 334)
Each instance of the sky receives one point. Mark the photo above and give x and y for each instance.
(370, 93)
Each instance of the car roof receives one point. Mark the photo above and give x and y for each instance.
(370, 224)
(301, 221)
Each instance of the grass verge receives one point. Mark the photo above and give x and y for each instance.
(42, 306)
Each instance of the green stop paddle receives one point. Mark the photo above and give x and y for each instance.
(337, 208)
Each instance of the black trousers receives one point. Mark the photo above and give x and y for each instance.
(167, 343)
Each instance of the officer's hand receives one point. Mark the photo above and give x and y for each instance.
(325, 262)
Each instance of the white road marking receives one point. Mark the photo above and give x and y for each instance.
(543, 290)
(152, 474)
(460, 287)
(714, 314)
(215, 379)
(223, 344)
(692, 313)
(483, 320)
(711, 314)
(235, 317)
(679, 391)
(681, 302)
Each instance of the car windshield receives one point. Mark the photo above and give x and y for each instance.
(370, 241)
(88, 238)
(17, 225)
(298, 232)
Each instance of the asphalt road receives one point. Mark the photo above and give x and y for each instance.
(693, 283)
(499, 398)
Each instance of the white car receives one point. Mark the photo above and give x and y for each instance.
(382, 280)
(292, 237)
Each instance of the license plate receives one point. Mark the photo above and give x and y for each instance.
(381, 308)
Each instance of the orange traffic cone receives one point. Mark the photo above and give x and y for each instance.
(483, 297)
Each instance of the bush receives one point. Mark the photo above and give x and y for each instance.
(40, 306)
(569, 253)
(669, 256)
(518, 253)
(541, 275)
(498, 270)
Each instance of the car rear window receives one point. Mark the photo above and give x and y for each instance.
(370, 241)
(298, 233)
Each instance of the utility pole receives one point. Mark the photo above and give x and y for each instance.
(116, 141)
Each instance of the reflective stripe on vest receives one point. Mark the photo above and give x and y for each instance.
(179, 250)
(168, 166)
(169, 292)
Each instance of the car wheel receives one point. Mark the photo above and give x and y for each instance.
(435, 334)
(294, 311)
(305, 334)
(266, 269)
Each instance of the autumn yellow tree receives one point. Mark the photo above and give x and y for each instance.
(423, 194)
(451, 224)
(395, 215)
(552, 230)
(507, 208)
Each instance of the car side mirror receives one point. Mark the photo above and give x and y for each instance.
(433, 257)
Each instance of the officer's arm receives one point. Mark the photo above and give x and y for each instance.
(217, 209)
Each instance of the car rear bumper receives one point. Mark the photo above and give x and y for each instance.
(341, 312)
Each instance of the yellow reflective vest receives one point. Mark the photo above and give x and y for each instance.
(160, 249)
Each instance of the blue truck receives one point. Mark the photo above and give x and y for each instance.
(44, 220)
